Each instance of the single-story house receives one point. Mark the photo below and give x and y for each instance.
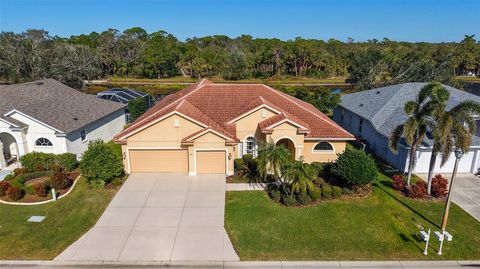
(48, 116)
(372, 115)
(203, 128)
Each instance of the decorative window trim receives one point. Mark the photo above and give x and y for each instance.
(84, 139)
(43, 142)
(245, 145)
(323, 151)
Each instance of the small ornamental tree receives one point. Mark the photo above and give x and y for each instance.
(355, 168)
(100, 163)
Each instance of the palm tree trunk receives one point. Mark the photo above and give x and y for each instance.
(411, 163)
(431, 170)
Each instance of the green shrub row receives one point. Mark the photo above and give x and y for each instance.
(40, 161)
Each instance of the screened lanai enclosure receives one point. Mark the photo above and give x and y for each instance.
(124, 95)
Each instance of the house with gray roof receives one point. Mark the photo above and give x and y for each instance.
(372, 115)
(48, 116)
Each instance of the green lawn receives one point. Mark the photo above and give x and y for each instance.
(382, 226)
(66, 220)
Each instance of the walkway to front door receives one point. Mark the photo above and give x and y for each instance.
(167, 217)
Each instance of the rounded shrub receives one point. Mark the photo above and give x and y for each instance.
(41, 189)
(398, 182)
(37, 161)
(347, 191)
(67, 161)
(336, 191)
(100, 163)
(355, 168)
(315, 193)
(439, 186)
(20, 171)
(304, 199)
(4, 187)
(289, 200)
(59, 180)
(15, 193)
(419, 190)
(327, 191)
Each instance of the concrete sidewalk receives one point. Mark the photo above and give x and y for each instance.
(237, 264)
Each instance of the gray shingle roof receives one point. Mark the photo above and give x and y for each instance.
(383, 107)
(55, 104)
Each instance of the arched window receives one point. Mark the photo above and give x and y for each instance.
(250, 146)
(43, 142)
(323, 146)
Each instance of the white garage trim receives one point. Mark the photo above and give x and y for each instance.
(129, 167)
(209, 149)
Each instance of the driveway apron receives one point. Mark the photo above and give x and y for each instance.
(160, 217)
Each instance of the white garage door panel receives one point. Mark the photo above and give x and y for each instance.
(465, 165)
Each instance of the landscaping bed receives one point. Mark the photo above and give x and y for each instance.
(381, 226)
(66, 220)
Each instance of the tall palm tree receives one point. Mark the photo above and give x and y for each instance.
(299, 175)
(451, 129)
(271, 159)
(414, 129)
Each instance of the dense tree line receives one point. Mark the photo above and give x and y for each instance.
(35, 54)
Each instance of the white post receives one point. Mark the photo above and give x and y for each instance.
(441, 243)
(54, 194)
(426, 243)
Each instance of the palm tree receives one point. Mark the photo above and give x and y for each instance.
(271, 159)
(414, 129)
(451, 129)
(299, 175)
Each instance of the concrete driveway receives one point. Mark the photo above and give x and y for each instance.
(466, 192)
(160, 217)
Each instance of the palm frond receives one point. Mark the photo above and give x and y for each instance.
(394, 138)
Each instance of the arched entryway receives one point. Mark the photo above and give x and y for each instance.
(8, 149)
(289, 144)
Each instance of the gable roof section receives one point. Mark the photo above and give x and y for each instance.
(383, 107)
(222, 103)
(54, 104)
(268, 125)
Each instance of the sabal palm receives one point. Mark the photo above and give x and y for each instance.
(271, 159)
(299, 175)
(414, 129)
(452, 129)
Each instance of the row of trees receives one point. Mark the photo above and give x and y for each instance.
(35, 54)
(450, 129)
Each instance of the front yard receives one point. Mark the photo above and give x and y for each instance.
(382, 226)
(66, 220)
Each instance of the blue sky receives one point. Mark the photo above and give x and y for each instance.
(406, 20)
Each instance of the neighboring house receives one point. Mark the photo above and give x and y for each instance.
(123, 95)
(204, 127)
(372, 115)
(48, 116)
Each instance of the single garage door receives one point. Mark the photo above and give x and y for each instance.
(158, 161)
(210, 162)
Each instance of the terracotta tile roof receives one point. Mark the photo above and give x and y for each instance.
(216, 104)
(264, 125)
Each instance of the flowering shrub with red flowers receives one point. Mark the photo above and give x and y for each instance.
(439, 186)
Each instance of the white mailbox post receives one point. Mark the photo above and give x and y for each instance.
(425, 237)
(442, 236)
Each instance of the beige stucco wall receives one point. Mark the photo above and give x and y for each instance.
(310, 156)
(164, 133)
(214, 142)
(248, 125)
(287, 130)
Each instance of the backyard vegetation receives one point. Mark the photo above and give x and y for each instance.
(381, 226)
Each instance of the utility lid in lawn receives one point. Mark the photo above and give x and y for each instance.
(36, 218)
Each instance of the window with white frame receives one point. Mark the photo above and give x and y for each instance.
(43, 142)
(323, 147)
(83, 135)
(250, 146)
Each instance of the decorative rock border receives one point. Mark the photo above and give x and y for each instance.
(44, 202)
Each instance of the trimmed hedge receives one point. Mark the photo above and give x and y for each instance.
(67, 161)
(40, 161)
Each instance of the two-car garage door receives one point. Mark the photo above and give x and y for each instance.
(176, 161)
